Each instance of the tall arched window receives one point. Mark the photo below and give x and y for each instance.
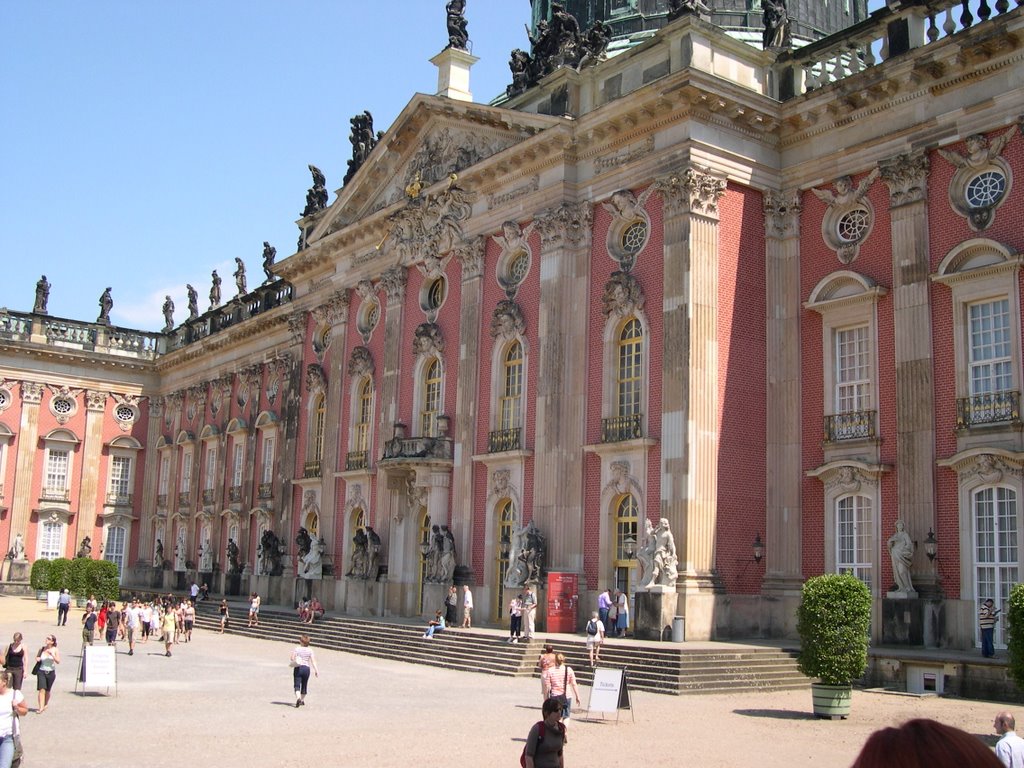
(358, 520)
(629, 375)
(626, 517)
(364, 416)
(996, 549)
(431, 399)
(510, 405)
(855, 537)
(506, 523)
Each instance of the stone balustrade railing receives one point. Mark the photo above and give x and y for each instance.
(75, 334)
(238, 310)
(889, 32)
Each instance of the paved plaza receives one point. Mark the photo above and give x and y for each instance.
(227, 700)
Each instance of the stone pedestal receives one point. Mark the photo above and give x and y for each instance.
(232, 584)
(19, 571)
(453, 67)
(433, 599)
(363, 597)
(653, 613)
(913, 622)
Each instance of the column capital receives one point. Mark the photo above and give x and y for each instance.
(96, 400)
(393, 282)
(692, 190)
(906, 175)
(333, 311)
(568, 224)
(470, 254)
(782, 213)
(31, 392)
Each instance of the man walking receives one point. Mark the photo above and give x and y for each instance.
(604, 604)
(88, 624)
(987, 617)
(1010, 748)
(63, 606)
(467, 607)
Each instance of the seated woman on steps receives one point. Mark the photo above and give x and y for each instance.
(436, 624)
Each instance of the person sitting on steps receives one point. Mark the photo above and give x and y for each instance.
(436, 624)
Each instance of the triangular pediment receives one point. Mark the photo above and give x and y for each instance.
(432, 138)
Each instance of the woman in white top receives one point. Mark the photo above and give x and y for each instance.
(48, 657)
(12, 703)
(302, 660)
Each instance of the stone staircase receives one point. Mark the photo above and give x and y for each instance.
(670, 670)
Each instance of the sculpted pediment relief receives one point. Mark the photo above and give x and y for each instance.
(428, 142)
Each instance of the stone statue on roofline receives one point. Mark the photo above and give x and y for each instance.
(776, 25)
(458, 37)
(106, 304)
(42, 296)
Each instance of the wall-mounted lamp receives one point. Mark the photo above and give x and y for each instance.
(758, 549)
(505, 544)
(931, 546)
(629, 546)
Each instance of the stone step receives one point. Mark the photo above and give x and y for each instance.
(675, 671)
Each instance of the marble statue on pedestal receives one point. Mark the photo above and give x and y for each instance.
(42, 296)
(311, 564)
(158, 555)
(232, 556)
(901, 551)
(18, 550)
(85, 548)
(360, 557)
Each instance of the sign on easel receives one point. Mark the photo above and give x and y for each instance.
(99, 667)
(609, 692)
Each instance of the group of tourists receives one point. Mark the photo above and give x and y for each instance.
(171, 619)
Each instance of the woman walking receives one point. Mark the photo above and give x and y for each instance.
(557, 681)
(224, 617)
(622, 616)
(302, 661)
(14, 661)
(48, 658)
(547, 738)
(254, 610)
(12, 705)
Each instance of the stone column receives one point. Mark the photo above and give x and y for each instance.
(334, 315)
(561, 382)
(393, 282)
(906, 176)
(150, 468)
(90, 494)
(783, 516)
(690, 386)
(28, 443)
(471, 256)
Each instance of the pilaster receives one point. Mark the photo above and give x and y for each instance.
(689, 473)
(334, 316)
(90, 495)
(783, 514)
(471, 257)
(561, 385)
(393, 283)
(906, 175)
(28, 442)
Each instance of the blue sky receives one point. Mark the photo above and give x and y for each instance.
(146, 143)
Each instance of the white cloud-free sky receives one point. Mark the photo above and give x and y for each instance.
(144, 144)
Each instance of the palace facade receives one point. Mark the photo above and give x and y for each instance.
(763, 296)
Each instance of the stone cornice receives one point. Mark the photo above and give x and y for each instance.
(275, 320)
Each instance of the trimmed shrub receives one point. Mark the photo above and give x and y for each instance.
(833, 621)
(58, 578)
(1015, 641)
(39, 576)
(101, 579)
(77, 582)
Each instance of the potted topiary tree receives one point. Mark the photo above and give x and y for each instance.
(77, 581)
(833, 621)
(39, 577)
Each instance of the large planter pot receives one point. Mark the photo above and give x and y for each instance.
(40, 594)
(831, 701)
(80, 601)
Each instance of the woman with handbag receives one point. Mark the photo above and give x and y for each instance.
(14, 661)
(302, 661)
(45, 671)
(557, 681)
(12, 705)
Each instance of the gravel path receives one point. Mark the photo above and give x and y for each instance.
(228, 701)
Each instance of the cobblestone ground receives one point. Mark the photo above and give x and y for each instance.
(228, 701)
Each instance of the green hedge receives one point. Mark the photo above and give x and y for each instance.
(76, 576)
(39, 577)
(1015, 641)
(101, 580)
(58, 578)
(833, 621)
